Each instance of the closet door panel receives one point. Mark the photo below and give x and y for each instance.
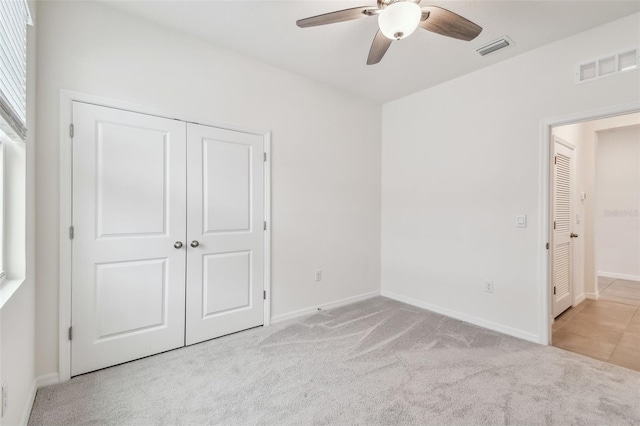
(129, 197)
(225, 208)
(226, 186)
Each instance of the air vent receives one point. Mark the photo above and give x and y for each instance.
(498, 44)
(605, 66)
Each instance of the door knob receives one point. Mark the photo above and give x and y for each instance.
(177, 244)
(195, 243)
(573, 235)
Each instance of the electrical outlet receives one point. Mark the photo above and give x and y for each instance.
(488, 286)
(318, 275)
(5, 397)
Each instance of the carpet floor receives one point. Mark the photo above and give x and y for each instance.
(370, 363)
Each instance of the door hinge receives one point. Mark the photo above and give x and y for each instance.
(71, 130)
(264, 226)
(555, 159)
(70, 333)
(264, 295)
(265, 156)
(547, 246)
(554, 224)
(71, 232)
(554, 289)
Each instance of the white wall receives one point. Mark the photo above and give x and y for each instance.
(462, 159)
(618, 202)
(17, 316)
(325, 161)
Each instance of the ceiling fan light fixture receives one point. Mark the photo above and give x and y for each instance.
(400, 19)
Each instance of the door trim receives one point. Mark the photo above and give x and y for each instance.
(67, 97)
(544, 205)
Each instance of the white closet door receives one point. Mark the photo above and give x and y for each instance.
(129, 195)
(563, 188)
(225, 208)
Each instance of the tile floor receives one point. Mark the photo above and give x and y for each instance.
(621, 291)
(607, 329)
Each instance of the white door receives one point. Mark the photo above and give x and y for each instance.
(562, 210)
(129, 197)
(225, 208)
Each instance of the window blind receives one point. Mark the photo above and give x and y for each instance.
(14, 17)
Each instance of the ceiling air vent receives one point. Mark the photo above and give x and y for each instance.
(605, 66)
(494, 45)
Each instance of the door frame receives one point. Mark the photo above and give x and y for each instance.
(544, 203)
(67, 97)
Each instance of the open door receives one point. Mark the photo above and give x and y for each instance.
(562, 213)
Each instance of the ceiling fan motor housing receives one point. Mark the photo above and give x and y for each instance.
(400, 19)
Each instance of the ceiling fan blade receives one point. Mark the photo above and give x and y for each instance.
(447, 23)
(333, 17)
(378, 48)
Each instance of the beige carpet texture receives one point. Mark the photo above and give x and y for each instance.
(376, 362)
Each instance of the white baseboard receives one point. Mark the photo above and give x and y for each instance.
(619, 276)
(38, 382)
(578, 300)
(47, 380)
(592, 296)
(312, 309)
(466, 318)
(27, 409)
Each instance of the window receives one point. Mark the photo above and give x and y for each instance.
(14, 17)
(2, 245)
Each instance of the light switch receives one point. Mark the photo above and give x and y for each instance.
(521, 221)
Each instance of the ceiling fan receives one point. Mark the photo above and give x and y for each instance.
(398, 19)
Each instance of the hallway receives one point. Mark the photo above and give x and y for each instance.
(607, 329)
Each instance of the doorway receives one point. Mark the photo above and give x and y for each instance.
(596, 187)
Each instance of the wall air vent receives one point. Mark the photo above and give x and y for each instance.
(494, 45)
(605, 66)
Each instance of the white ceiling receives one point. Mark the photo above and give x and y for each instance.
(336, 54)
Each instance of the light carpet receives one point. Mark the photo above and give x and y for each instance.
(369, 363)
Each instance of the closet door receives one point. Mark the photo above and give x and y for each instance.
(129, 197)
(562, 236)
(225, 209)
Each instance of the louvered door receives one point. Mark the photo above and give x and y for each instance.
(563, 177)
